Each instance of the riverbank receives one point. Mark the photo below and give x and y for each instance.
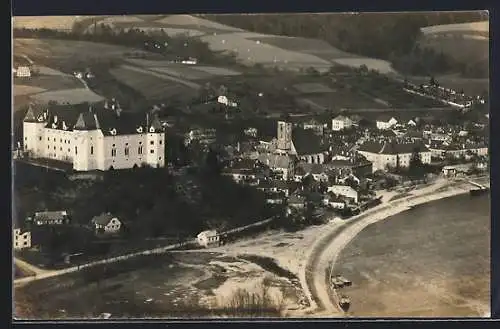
(326, 252)
(430, 261)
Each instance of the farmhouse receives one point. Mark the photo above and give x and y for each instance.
(21, 240)
(94, 139)
(393, 154)
(386, 122)
(341, 122)
(208, 238)
(106, 223)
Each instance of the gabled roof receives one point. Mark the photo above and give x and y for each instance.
(103, 219)
(392, 147)
(385, 117)
(307, 142)
(341, 117)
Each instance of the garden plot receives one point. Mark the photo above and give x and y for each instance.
(312, 88)
(68, 96)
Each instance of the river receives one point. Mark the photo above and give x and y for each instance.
(430, 261)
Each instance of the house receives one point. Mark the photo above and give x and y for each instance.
(341, 122)
(333, 201)
(386, 122)
(356, 165)
(296, 201)
(278, 197)
(205, 136)
(411, 123)
(23, 72)
(209, 238)
(393, 154)
(449, 171)
(316, 170)
(283, 165)
(106, 223)
(251, 132)
(244, 171)
(50, 218)
(94, 138)
(276, 186)
(345, 191)
(21, 240)
(315, 126)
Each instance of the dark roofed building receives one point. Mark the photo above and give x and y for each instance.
(308, 146)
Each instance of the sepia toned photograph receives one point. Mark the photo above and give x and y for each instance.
(219, 166)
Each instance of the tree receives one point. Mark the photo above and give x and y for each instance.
(416, 167)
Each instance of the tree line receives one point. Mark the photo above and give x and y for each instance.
(389, 36)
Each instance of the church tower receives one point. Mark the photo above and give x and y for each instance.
(284, 135)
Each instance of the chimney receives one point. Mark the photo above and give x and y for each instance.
(55, 118)
(106, 105)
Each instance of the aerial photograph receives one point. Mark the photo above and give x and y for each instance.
(220, 166)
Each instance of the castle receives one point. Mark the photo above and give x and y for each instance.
(94, 138)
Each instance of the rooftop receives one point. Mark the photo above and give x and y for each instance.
(392, 147)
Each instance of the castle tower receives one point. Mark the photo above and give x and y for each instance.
(284, 135)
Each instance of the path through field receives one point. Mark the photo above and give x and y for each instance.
(163, 76)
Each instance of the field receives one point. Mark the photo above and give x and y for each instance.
(20, 90)
(414, 264)
(51, 82)
(68, 96)
(150, 86)
(48, 22)
(57, 50)
(312, 88)
(193, 72)
(180, 284)
(251, 52)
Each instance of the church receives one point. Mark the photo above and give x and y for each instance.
(101, 138)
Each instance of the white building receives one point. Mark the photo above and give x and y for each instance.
(386, 122)
(106, 223)
(341, 122)
(392, 154)
(91, 139)
(208, 238)
(21, 240)
(23, 72)
(345, 191)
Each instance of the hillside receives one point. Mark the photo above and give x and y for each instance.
(385, 36)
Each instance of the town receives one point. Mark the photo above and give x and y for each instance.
(110, 179)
